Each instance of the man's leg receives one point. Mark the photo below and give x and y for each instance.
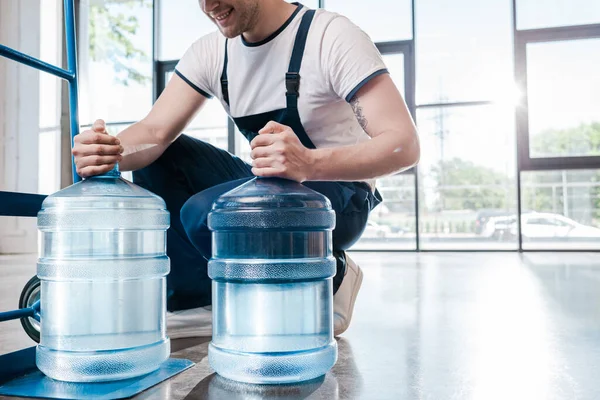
(351, 217)
(351, 214)
(194, 215)
(352, 206)
(187, 167)
(197, 321)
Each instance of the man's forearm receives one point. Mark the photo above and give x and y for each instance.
(382, 155)
(146, 140)
(141, 146)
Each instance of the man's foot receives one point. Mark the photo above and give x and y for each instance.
(345, 297)
(195, 322)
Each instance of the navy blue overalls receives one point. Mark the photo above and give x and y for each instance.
(191, 174)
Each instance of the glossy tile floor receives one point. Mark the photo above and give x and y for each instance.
(428, 326)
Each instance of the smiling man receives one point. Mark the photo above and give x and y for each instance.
(311, 93)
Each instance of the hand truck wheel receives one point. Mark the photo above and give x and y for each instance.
(29, 295)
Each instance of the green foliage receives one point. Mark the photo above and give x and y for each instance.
(464, 185)
(581, 140)
(110, 36)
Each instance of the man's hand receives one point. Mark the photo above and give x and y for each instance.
(277, 152)
(95, 151)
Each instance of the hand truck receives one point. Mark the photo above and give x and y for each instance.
(28, 204)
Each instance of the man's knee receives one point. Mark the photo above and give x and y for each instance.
(193, 216)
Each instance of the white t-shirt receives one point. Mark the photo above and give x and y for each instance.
(339, 59)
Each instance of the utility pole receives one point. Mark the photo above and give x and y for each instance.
(441, 133)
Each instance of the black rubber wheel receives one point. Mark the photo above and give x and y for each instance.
(29, 295)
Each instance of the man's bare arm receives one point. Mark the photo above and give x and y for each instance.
(394, 144)
(147, 139)
(143, 142)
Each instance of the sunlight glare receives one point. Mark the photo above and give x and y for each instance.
(510, 94)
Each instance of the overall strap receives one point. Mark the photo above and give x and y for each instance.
(292, 77)
(224, 82)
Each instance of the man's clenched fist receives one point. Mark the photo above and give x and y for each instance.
(95, 151)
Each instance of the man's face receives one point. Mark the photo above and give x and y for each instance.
(232, 17)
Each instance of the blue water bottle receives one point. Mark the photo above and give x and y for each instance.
(272, 270)
(102, 265)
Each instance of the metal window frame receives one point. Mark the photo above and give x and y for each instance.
(521, 37)
(162, 68)
(545, 35)
(407, 49)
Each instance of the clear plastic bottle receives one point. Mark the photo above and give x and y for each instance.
(272, 270)
(102, 268)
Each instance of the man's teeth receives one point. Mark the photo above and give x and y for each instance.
(223, 16)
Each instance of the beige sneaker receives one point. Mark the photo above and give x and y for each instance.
(195, 322)
(345, 297)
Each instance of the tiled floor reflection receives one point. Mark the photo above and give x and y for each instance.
(430, 326)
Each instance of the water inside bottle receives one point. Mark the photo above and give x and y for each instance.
(103, 268)
(272, 270)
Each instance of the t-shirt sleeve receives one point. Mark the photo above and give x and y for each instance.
(349, 57)
(199, 65)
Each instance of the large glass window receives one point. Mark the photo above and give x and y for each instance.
(563, 86)
(463, 51)
(533, 14)
(210, 124)
(561, 210)
(395, 65)
(115, 60)
(242, 146)
(180, 23)
(382, 20)
(49, 161)
(466, 177)
(392, 224)
(50, 90)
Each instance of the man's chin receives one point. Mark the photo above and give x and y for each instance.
(230, 33)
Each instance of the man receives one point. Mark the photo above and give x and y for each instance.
(309, 90)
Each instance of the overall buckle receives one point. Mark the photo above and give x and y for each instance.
(292, 82)
(225, 90)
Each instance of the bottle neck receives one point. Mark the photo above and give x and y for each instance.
(113, 173)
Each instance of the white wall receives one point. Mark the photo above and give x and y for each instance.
(19, 119)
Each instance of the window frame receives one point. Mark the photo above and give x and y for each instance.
(525, 163)
(162, 68)
(545, 35)
(407, 49)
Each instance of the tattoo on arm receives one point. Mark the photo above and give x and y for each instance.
(358, 112)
